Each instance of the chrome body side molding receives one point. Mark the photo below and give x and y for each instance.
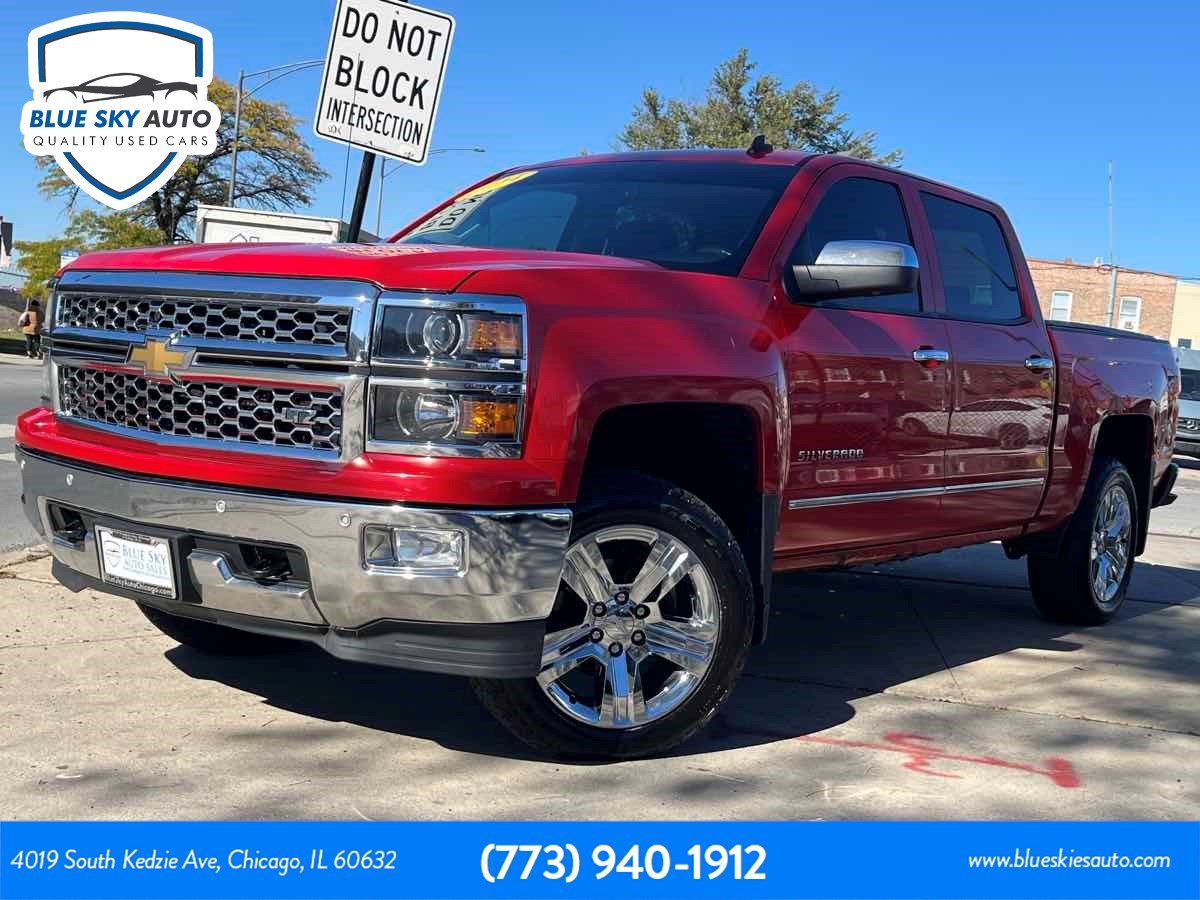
(881, 496)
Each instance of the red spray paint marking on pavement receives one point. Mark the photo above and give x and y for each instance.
(921, 754)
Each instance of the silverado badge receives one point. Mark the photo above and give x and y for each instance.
(828, 455)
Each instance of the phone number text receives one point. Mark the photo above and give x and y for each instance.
(500, 862)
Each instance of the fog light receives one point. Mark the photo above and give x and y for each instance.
(377, 546)
(417, 551)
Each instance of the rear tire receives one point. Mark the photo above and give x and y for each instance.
(697, 620)
(216, 640)
(1087, 582)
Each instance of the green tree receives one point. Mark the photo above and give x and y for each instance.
(737, 106)
(88, 230)
(38, 261)
(276, 170)
(91, 230)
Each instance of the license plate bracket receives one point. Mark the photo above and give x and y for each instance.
(136, 562)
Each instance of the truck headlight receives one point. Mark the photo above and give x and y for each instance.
(441, 338)
(447, 375)
(440, 417)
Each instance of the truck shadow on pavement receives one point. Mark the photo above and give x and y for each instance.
(835, 637)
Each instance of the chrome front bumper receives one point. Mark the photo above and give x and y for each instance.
(515, 557)
(1187, 444)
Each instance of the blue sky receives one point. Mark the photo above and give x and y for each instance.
(1022, 102)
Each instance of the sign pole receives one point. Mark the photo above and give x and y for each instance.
(360, 197)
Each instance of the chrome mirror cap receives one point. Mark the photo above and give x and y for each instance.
(867, 253)
(859, 269)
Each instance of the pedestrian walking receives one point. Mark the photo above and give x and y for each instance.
(30, 323)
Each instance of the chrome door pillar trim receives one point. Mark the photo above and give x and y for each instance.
(879, 496)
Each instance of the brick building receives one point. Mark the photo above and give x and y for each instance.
(1185, 324)
(1145, 301)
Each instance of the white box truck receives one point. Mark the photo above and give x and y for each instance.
(227, 224)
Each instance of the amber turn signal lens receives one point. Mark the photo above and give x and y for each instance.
(494, 337)
(488, 418)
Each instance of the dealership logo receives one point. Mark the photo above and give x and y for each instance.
(120, 100)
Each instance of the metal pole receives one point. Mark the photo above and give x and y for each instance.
(237, 131)
(360, 197)
(1112, 262)
(379, 203)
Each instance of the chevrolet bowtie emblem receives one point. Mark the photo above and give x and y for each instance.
(156, 357)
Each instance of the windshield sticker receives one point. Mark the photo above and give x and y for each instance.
(465, 204)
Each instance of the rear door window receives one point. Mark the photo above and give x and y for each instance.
(978, 280)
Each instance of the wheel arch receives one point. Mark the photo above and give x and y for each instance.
(1129, 438)
(715, 450)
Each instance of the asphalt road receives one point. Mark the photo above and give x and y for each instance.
(20, 388)
(921, 690)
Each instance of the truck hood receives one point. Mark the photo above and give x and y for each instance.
(418, 267)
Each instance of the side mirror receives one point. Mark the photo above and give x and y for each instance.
(855, 269)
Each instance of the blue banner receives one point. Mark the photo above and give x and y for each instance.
(598, 859)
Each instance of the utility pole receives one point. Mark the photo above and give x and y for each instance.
(272, 74)
(237, 133)
(1112, 261)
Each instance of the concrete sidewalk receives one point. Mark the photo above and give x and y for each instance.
(18, 359)
(924, 690)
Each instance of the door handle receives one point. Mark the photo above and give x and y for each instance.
(1039, 363)
(930, 357)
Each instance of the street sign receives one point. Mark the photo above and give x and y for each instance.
(383, 77)
(6, 243)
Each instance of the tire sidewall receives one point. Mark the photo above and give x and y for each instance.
(1117, 475)
(689, 520)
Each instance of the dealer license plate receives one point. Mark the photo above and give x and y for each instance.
(136, 561)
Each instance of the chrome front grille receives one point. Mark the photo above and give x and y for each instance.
(1189, 425)
(211, 318)
(256, 364)
(262, 415)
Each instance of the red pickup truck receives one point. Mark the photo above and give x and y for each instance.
(558, 434)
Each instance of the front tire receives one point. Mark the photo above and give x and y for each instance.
(650, 629)
(1087, 582)
(215, 640)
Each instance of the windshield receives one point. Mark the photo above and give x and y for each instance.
(699, 217)
(1190, 387)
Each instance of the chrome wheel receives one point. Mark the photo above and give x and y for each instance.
(1111, 545)
(634, 630)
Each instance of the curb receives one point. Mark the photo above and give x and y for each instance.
(29, 554)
